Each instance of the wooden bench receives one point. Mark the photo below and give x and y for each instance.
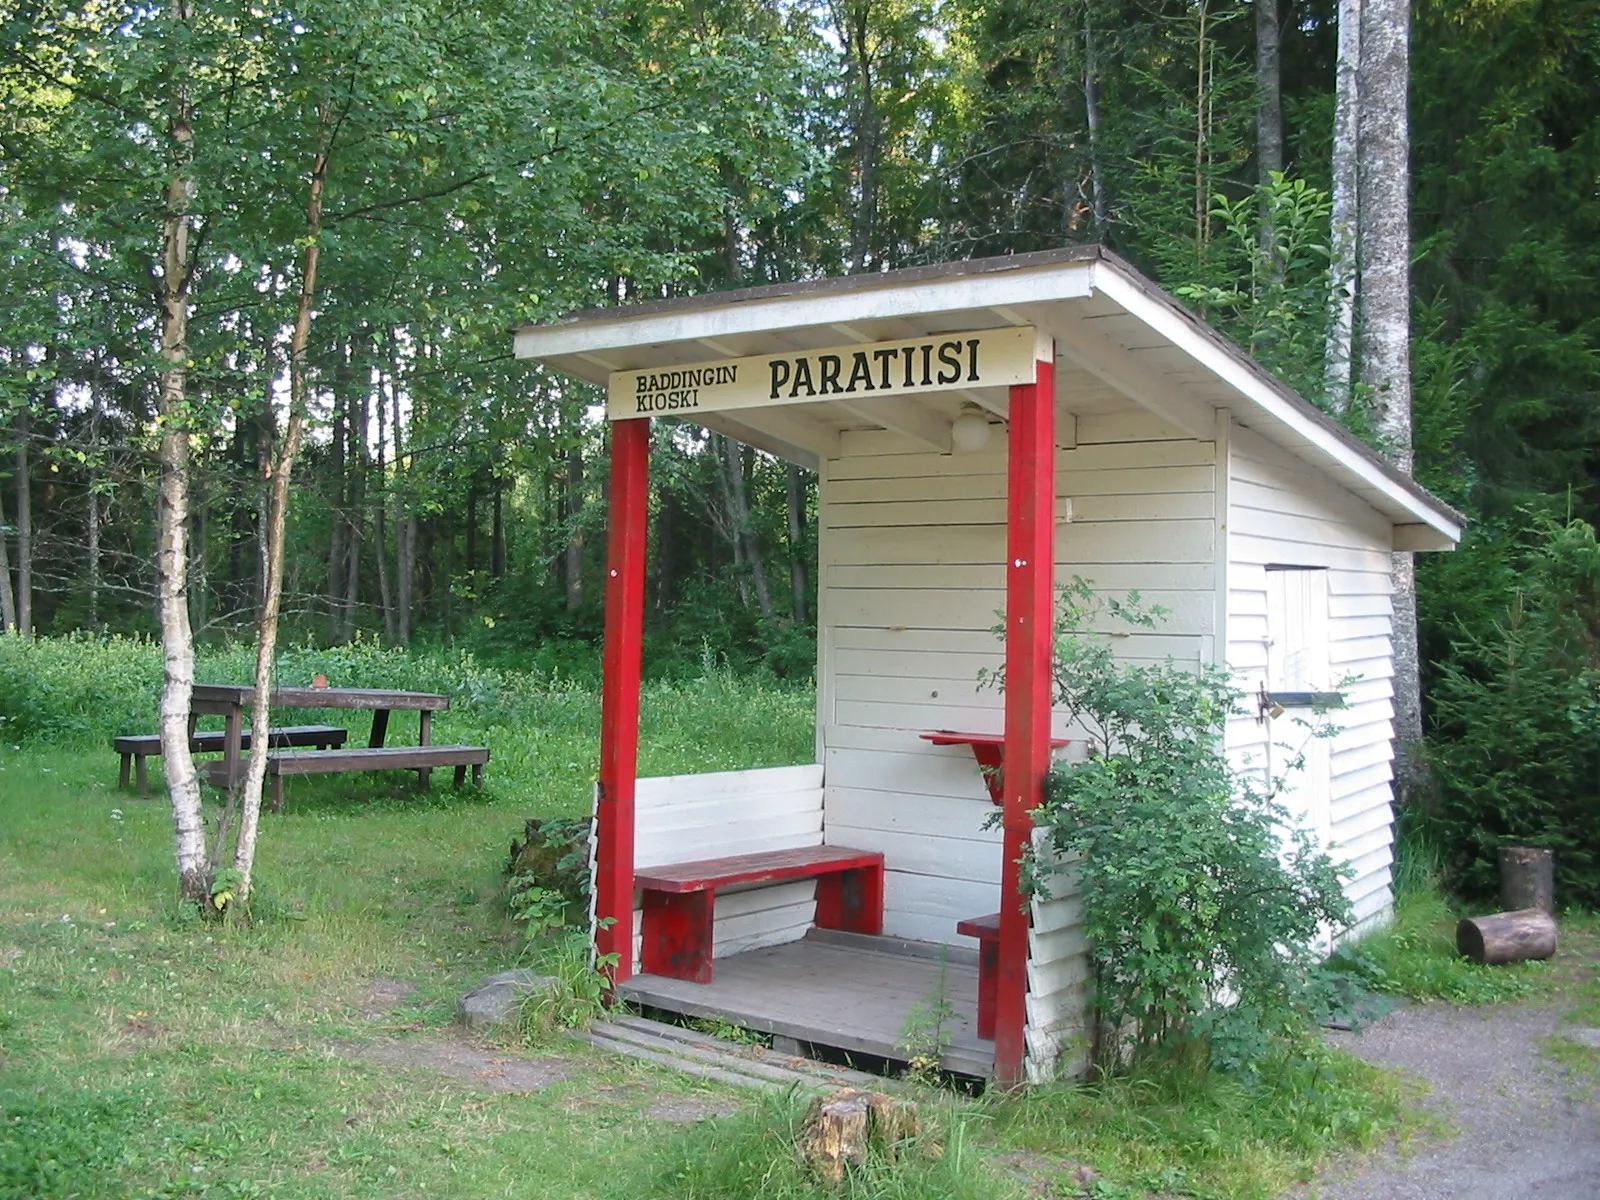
(679, 900)
(140, 746)
(421, 759)
(987, 931)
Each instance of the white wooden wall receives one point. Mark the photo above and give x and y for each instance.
(1282, 512)
(684, 818)
(912, 583)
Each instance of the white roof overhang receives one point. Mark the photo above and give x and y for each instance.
(1113, 330)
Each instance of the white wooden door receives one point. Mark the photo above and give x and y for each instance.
(1298, 661)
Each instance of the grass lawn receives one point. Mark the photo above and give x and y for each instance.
(143, 1053)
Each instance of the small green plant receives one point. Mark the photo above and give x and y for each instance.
(925, 1035)
(224, 887)
(539, 909)
(726, 1031)
(579, 993)
(1203, 902)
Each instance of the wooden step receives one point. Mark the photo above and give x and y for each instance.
(708, 1057)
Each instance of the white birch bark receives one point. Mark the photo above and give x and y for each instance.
(172, 552)
(1091, 110)
(1383, 304)
(1339, 350)
(282, 472)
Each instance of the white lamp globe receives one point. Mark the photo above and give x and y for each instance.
(970, 431)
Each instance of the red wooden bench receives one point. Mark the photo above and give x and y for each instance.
(678, 900)
(987, 931)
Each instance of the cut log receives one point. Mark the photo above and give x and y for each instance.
(843, 1126)
(1507, 937)
(1527, 878)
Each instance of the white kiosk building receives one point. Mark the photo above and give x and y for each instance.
(982, 430)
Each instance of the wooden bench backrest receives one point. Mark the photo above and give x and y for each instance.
(682, 818)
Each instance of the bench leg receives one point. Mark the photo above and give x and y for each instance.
(477, 776)
(122, 775)
(424, 777)
(851, 900)
(142, 775)
(461, 774)
(988, 985)
(277, 793)
(677, 935)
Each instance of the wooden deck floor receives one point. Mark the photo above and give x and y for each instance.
(844, 991)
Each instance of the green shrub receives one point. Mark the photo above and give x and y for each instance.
(1202, 902)
(1515, 739)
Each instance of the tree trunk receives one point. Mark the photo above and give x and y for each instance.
(798, 588)
(1384, 315)
(24, 483)
(407, 574)
(1507, 937)
(357, 532)
(842, 1128)
(283, 471)
(744, 532)
(380, 529)
(497, 536)
(1527, 878)
(92, 517)
(472, 530)
(1091, 108)
(574, 522)
(8, 599)
(1269, 97)
(1339, 350)
(858, 47)
(172, 552)
(1269, 122)
(199, 579)
(338, 551)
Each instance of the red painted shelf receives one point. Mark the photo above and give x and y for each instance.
(990, 751)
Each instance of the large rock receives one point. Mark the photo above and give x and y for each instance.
(496, 1000)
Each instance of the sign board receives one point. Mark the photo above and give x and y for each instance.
(945, 362)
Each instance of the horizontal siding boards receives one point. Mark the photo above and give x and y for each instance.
(684, 818)
(1059, 1023)
(912, 553)
(1175, 541)
(1281, 513)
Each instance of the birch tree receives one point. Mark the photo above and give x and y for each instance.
(1339, 351)
(1383, 298)
(172, 554)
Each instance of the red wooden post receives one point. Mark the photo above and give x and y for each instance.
(626, 534)
(1030, 577)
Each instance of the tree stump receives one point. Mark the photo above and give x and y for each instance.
(1507, 937)
(1527, 878)
(842, 1127)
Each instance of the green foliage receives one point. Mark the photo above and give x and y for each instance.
(925, 1035)
(579, 994)
(1265, 279)
(752, 1155)
(1515, 743)
(1202, 901)
(549, 873)
(1171, 1129)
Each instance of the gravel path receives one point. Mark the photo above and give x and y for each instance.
(1526, 1128)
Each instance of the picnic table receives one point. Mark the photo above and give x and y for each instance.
(232, 700)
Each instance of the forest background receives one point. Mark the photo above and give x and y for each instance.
(471, 168)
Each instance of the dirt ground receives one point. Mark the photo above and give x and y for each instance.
(1528, 1126)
